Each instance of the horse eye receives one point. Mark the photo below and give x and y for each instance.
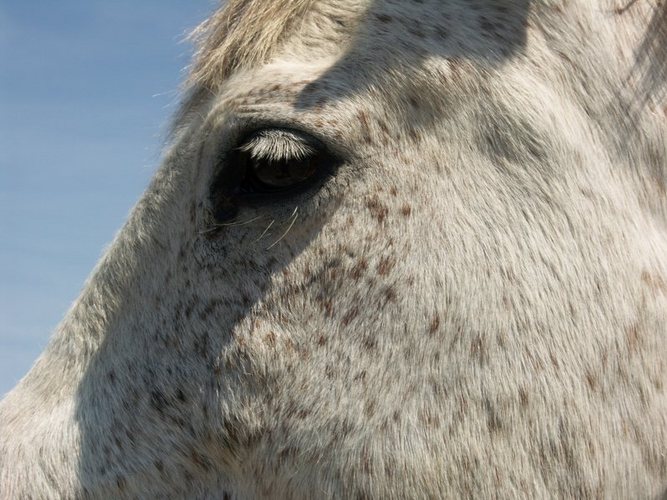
(267, 175)
(269, 165)
(276, 160)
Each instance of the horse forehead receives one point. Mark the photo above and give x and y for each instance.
(417, 19)
(395, 47)
(408, 22)
(385, 34)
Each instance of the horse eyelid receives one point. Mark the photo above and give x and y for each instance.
(276, 144)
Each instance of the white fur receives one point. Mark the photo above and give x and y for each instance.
(473, 306)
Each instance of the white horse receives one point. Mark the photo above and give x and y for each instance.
(397, 249)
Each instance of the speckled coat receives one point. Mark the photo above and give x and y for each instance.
(466, 299)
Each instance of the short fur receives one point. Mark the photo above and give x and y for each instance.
(473, 305)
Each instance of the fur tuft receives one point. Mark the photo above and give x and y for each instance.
(243, 33)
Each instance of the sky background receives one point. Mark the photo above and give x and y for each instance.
(86, 91)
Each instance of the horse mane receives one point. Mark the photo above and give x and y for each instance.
(243, 33)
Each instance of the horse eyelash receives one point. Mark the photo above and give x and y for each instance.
(278, 145)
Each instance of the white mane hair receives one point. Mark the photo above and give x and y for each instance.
(396, 249)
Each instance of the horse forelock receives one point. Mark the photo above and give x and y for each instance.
(240, 34)
(245, 33)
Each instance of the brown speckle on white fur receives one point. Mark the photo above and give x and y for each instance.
(473, 304)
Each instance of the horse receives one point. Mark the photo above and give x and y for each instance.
(395, 249)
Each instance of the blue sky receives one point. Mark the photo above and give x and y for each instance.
(86, 91)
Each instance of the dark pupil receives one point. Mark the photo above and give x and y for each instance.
(280, 174)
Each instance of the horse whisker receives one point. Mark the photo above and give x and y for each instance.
(265, 231)
(236, 223)
(294, 217)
